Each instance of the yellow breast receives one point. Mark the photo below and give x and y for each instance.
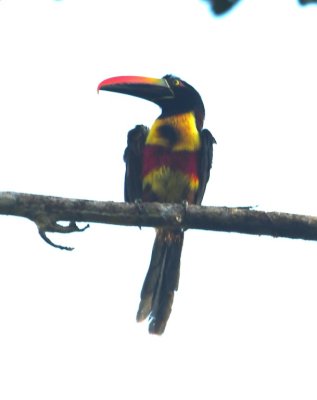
(184, 125)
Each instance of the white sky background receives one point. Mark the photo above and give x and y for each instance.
(244, 320)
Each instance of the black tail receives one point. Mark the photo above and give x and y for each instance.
(161, 280)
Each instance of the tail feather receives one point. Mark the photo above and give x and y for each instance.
(161, 280)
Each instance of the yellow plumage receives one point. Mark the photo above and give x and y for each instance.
(168, 184)
(184, 125)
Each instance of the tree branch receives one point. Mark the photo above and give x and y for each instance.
(46, 211)
(220, 7)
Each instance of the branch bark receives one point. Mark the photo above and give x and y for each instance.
(46, 211)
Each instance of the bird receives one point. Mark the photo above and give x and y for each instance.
(167, 163)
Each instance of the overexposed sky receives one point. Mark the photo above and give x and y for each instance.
(244, 319)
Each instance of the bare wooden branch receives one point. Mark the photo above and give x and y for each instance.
(46, 211)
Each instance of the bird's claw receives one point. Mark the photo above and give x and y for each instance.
(185, 207)
(139, 205)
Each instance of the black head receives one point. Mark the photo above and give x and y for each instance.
(185, 99)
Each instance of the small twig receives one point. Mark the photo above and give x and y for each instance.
(247, 207)
(46, 223)
(48, 241)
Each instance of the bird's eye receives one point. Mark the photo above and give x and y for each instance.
(176, 82)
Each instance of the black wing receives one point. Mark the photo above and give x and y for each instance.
(133, 158)
(205, 158)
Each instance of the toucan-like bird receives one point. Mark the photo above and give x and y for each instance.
(168, 163)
